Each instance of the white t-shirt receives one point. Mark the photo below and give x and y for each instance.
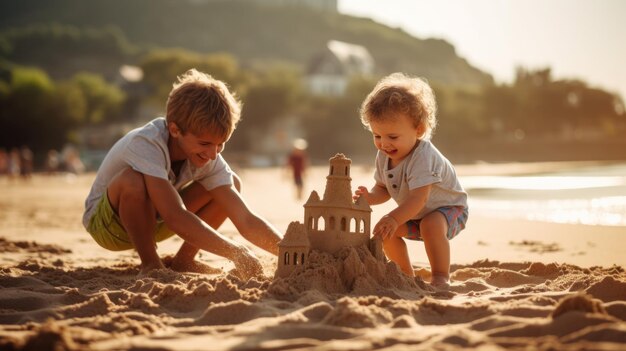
(424, 166)
(145, 150)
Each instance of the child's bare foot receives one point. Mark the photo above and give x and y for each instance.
(440, 281)
(147, 268)
(423, 273)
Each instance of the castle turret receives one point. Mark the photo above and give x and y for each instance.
(338, 191)
(336, 221)
(293, 249)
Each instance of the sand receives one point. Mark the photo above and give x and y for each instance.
(516, 285)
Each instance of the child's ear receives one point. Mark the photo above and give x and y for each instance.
(173, 129)
(421, 131)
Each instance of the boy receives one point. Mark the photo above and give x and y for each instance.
(169, 177)
(432, 205)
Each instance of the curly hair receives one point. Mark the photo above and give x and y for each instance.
(401, 94)
(198, 103)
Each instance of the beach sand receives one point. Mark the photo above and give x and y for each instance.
(516, 285)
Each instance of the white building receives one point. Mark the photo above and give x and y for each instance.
(330, 71)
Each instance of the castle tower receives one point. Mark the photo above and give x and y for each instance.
(331, 223)
(338, 190)
(336, 221)
(293, 250)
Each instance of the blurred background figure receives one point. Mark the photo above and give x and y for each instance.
(298, 162)
(26, 162)
(71, 160)
(52, 162)
(4, 162)
(14, 165)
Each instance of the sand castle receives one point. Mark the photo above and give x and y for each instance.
(330, 224)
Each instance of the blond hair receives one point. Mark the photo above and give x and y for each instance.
(199, 103)
(401, 94)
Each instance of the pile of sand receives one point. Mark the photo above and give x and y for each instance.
(347, 301)
(350, 271)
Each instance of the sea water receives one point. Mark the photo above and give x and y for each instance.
(590, 196)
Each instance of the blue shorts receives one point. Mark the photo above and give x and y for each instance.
(455, 215)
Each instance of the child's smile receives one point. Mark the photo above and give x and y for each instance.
(198, 148)
(203, 159)
(205, 147)
(395, 136)
(390, 152)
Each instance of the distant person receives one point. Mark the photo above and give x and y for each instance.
(71, 160)
(432, 205)
(53, 162)
(15, 164)
(4, 162)
(140, 197)
(26, 162)
(298, 162)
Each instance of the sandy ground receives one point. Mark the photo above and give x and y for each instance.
(517, 285)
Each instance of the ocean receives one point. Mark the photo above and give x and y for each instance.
(594, 195)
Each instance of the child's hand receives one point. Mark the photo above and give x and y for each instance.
(386, 227)
(361, 191)
(248, 265)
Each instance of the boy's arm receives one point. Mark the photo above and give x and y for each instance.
(170, 206)
(389, 223)
(252, 227)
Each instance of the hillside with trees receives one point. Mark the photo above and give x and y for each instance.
(249, 31)
(60, 74)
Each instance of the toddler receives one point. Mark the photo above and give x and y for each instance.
(432, 206)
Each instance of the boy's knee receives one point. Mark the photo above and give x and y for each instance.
(128, 182)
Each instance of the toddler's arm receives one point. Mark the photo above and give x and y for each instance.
(389, 223)
(377, 195)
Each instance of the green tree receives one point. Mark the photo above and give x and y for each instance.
(269, 96)
(161, 67)
(35, 111)
(547, 107)
(26, 106)
(460, 113)
(48, 46)
(102, 100)
(500, 104)
(333, 124)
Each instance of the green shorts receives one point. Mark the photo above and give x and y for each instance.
(107, 230)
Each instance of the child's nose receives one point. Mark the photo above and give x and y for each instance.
(212, 152)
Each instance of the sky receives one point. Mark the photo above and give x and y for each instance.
(577, 39)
